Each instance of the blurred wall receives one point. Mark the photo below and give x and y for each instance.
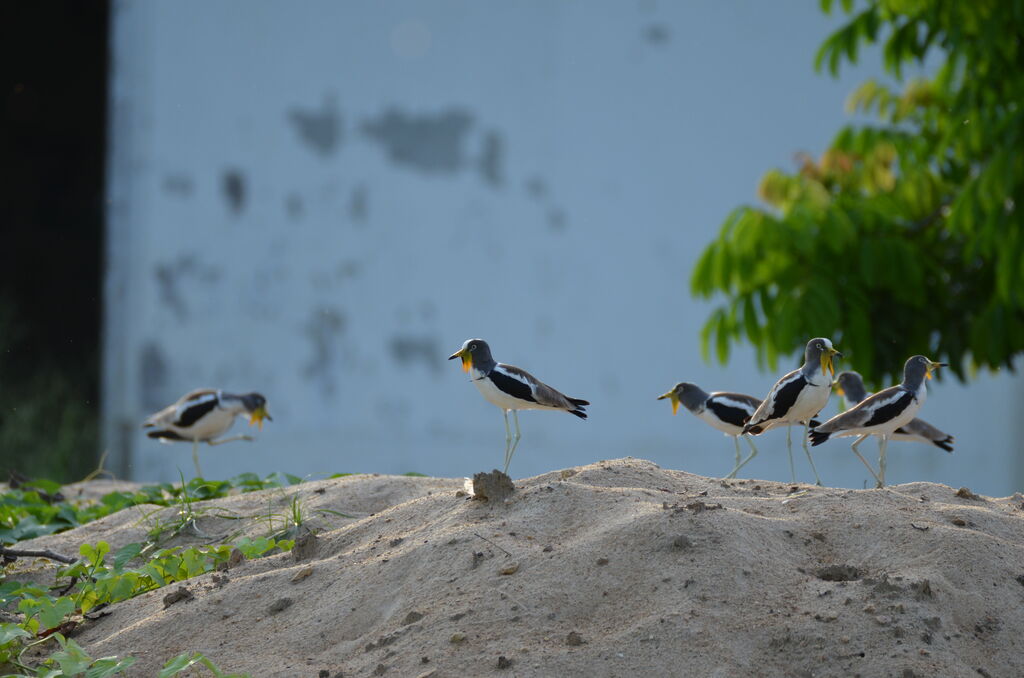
(321, 201)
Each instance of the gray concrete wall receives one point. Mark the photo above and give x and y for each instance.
(322, 200)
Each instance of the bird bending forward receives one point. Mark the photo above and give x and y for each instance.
(723, 410)
(203, 415)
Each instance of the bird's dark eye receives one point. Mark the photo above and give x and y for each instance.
(473, 347)
(820, 346)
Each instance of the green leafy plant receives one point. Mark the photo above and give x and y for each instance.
(187, 660)
(26, 512)
(100, 577)
(288, 524)
(70, 659)
(907, 235)
(94, 583)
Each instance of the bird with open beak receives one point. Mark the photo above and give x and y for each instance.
(205, 414)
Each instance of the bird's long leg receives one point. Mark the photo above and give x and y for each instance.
(508, 440)
(736, 442)
(739, 465)
(853, 447)
(807, 428)
(881, 461)
(229, 440)
(195, 458)
(515, 440)
(789, 449)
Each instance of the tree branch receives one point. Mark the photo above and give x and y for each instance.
(14, 554)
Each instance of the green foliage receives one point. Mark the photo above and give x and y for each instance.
(26, 513)
(93, 584)
(70, 659)
(100, 577)
(186, 660)
(907, 235)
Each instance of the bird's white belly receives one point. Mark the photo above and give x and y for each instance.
(213, 425)
(496, 396)
(724, 427)
(812, 399)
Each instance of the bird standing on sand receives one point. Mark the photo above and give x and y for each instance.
(725, 411)
(797, 397)
(511, 389)
(205, 414)
(850, 385)
(882, 413)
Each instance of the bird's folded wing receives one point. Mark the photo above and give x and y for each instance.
(872, 411)
(781, 398)
(193, 406)
(542, 393)
(920, 427)
(732, 408)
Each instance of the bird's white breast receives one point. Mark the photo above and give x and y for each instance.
(213, 424)
(726, 428)
(811, 400)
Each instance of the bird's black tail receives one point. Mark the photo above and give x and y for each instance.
(579, 405)
(946, 443)
(817, 437)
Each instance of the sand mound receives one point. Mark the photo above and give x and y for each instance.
(619, 568)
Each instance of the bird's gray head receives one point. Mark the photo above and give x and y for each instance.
(851, 385)
(256, 405)
(690, 395)
(820, 351)
(917, 369)
(474, 353)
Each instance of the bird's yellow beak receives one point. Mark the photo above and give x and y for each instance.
(257, 417)
(671, 395)
(932, 365)
(467, 359)
(826, 361)
(839, 389)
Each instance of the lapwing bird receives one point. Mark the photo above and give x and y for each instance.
(726, 411)
(511, 389)
(850, 386)
(797, 397)
(881, 414)
(203, 415)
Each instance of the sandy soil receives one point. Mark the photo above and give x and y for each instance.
(618, 568)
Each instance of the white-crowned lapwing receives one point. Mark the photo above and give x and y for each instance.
(511, 389)
(203, 415)
(797, 397)
(882, 413)
(726, 411)
(850, 386)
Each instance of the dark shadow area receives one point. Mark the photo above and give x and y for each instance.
(52, 154)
